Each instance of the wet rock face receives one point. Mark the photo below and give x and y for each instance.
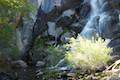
(64, 21)
(66, 36)
(116, 3)
(71, 3)
(107, 25)
(108, 20)
(106, 7)
(115, 44)
(64, 5)
(84, 10)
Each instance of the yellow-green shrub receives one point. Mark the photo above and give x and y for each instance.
(88, 53)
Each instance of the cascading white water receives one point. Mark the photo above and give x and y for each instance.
(89, 30)
(95, 7)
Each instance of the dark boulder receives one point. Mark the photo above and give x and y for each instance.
(84, 10)
(4, 76)
(108, 24)
(106, 7)
(64, 21)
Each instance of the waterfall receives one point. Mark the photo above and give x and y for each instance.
(103, 19)
(95, 7)
(91, 27)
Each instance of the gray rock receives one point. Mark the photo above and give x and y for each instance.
(116, 48)
(20, 63)
(114, 78)
(59, 31)
(39, 72)
(107, 24)
(66, 36)
(4, 76)
(106, 7)
(77, 27)
(84, 10)
(40, 63)
(64, 21)
(53, 30)
(68, 13)
(116, 3)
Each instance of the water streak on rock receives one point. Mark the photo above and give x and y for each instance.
(101, 20)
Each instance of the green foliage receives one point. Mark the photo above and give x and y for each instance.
(6, 35)
(41, 41)
(7, 41)
(88, 53)
(50, 75)
(57, 54)
(9, 11)
(12, 8)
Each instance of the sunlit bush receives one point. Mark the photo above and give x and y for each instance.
(85, 53)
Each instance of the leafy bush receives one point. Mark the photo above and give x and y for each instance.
(10, 11)
(13, 8)
(7, 42)
(88, 54)
(57, 54)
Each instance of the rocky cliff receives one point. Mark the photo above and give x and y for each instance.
(55, 21)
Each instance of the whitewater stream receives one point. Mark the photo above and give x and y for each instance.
(101, 20)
